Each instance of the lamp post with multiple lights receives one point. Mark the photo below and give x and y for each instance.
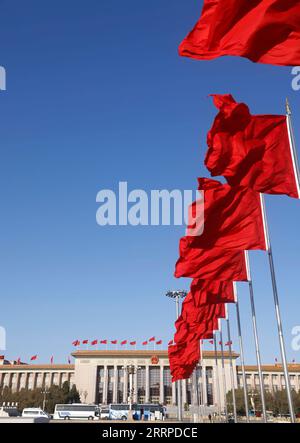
(176, 296)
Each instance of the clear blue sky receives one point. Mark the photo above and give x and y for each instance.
(96, 94)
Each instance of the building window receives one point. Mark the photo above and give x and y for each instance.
(141, 385)
(100, 385)
(120, 384)
(154, 373)
(167, 386)
(110, 384)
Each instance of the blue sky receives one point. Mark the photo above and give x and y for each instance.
(96, 94)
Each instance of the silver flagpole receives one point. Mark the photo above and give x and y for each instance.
(202, 382)
(257, 347)
(278, 314)
(293, 145)
(242, 358)
(217, 375)
(231, 369)
(179, 383)
(223, 372)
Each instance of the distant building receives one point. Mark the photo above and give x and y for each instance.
(100, 377)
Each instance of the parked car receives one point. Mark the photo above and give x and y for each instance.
(34, 412)
(104, 413)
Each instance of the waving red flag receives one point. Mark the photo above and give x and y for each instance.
(124, 342)
(114, 342)
(85, 342)
(34, 357)
(103, 342)
(144, 343)
(151, 339)
(76, 343)
(170, 343)
(94, 342)
(251, 150)
(232, 218)
(159, 342)
(264, 31)
(210, 264)
(132, 343)
(183, 359)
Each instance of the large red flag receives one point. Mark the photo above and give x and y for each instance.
(210, 264)
(183, 359)
(232, 219)
(251, 150)
(264, 31)
(212, 292)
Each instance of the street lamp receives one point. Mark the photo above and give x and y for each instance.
(176, 296)
(44, 392)
(131, 370)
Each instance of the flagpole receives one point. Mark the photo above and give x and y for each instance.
(203, 376)
(293, 145)
(231, 369)
(255, 332)
(242, 358)
(217, 374)
(278, 313)
(223, 372)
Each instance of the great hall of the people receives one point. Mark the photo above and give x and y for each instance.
(101, 377)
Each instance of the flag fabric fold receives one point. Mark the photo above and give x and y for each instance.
(232, 218)
(253, 151)
(210, 264)
(264, 31)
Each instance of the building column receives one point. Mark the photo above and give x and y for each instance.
(125, 387)
(204, 381)
(194, 389)
(147, 396)
(105, 385)
(183, 388)
(161, 386)
(115, 388)
(215, 382)
(174, 394)
(135, 388)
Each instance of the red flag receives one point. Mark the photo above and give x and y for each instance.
(228, 343)
(2, 357)
(124, 342)
(103, 342)
(171, 342)
(264, 31)
(159, 342)
(210, 264)
(85, 342)
(51, 360)
(232, 218)
(94, 342)
(206, 292)
(114, 342)
(132, 343)
(183, 359)
(34, 357)
(144, 343)
(211, 342)
(253, 151)
(76, 343)
(151, 339)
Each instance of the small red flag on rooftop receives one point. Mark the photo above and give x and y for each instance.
(94, 342)
(151, 339)
(34, 357)
(85, 342)
(76, 343)
(124, 342)
(144, 343)
(159, 342)
(132, 343)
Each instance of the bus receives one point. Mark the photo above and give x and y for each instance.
(120, 411)
(76, 411)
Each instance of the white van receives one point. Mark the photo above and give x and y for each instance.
(34, 412)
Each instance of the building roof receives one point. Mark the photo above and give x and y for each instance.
(36, 367)
(139, 353)
(292, 367)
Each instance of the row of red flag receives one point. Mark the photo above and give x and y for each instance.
(255, 155)
(115, 342)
